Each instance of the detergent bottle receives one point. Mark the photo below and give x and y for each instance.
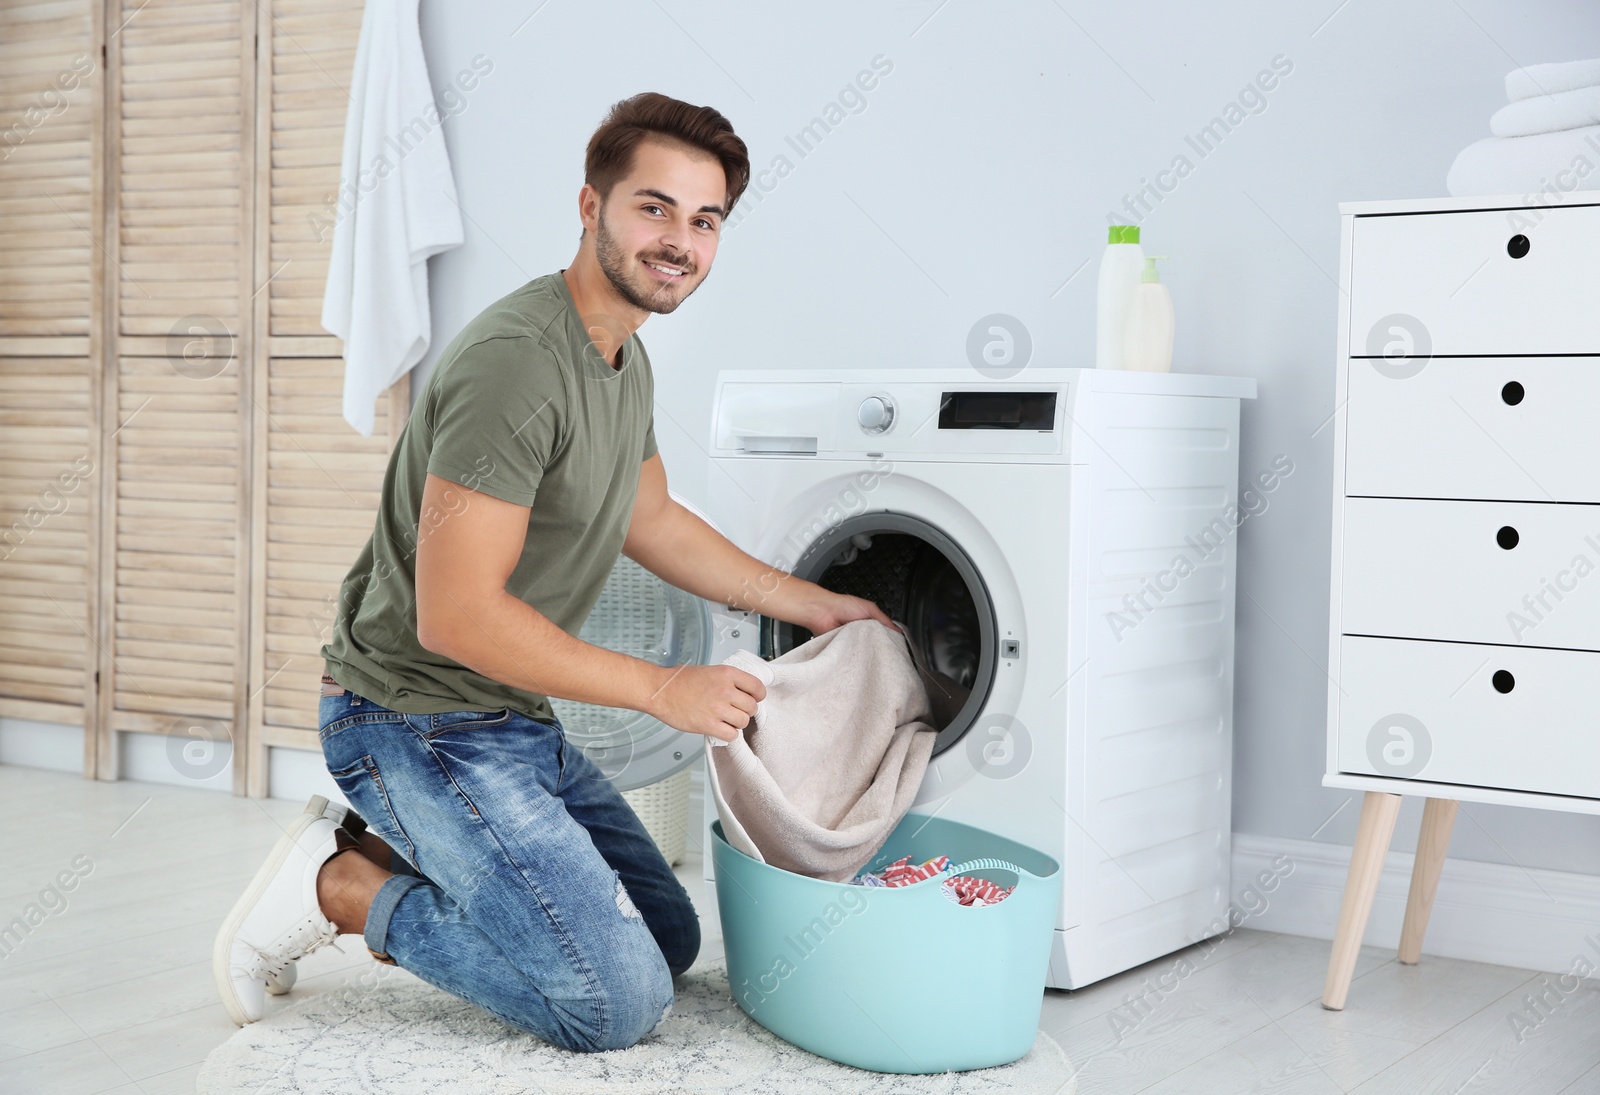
(1119, 275)
(1147, 328)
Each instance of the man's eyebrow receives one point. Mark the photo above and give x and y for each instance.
(667, 199)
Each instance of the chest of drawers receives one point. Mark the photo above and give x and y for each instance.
(1464, 623)
(1464, 619)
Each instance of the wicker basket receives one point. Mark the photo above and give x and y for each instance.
(664, 809)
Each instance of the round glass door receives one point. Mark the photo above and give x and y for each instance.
(921, 578)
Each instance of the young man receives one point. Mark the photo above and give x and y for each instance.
(497, 862)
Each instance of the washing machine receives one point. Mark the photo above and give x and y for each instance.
(1028, 530)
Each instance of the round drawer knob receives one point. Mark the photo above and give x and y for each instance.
(1512, 393)
(1503, 681)
(1517, 246)
(876, 413)
(1507, 537)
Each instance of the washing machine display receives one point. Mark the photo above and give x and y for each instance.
(997, 410)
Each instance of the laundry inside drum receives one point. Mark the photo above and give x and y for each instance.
(931, 588)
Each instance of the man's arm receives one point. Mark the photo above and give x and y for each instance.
(681, 549)
(465, 613)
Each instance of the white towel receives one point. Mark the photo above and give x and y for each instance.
(1527, 165)
(1551, 79)
(397, 207)
(834, 755)
(1547, 113)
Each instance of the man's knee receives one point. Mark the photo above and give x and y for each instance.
(617, 1015)
(681, 951)
(678, 935)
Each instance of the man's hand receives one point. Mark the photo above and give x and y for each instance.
(825, 610)
(714, 700)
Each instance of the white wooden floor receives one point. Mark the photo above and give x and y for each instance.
(112, 991)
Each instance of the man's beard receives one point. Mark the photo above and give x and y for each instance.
(660, 298)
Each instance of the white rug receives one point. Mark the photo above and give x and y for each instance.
(396, 1035)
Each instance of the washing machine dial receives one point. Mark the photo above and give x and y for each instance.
(876, 413)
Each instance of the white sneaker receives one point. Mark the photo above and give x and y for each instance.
(282, 981)
(277, 919)
(351, 822)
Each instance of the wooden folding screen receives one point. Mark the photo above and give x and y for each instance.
(51, 84)
(176, 409)
(183, 493)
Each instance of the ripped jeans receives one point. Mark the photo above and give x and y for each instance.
(524, 882)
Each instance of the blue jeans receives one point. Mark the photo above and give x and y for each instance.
(524, 882)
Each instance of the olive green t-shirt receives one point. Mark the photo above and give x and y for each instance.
(523, 407)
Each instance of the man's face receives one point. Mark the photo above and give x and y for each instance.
(667, 211)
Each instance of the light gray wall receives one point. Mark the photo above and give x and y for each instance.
(976, 178)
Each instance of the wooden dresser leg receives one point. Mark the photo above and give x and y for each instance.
(1378, 813)
(1438, 818)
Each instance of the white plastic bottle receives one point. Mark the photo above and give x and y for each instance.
(1147, 328)
(1119, 276)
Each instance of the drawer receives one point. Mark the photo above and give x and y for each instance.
(1516, 428)
(1485, 572)
(1435, 712)
(1447, 283)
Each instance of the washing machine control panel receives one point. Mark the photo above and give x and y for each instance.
(937, 414)
(876, 413)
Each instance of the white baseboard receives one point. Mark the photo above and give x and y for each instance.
(156, 758)
(29, 744)
(295, 774)
(1484, 912)
(195, 762)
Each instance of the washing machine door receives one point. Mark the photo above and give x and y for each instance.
(919, 575)
(640, 615)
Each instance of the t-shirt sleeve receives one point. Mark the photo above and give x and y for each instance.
(499, 413)
(649, 438)
(650, 402)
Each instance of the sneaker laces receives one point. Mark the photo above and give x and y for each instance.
(312, 933)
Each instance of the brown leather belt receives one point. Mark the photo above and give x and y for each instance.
(331, 687)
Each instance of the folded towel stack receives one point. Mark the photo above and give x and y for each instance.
(1547, 137)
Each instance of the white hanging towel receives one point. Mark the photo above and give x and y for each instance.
(397, 206)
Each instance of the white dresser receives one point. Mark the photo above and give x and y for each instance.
(1464, 622)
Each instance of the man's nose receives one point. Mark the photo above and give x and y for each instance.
(675, 241)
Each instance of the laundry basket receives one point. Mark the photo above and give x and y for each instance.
(663, 806)
(894, 979)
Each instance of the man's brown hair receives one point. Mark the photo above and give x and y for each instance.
(651, 114)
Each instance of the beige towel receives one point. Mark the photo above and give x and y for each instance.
(833, 756)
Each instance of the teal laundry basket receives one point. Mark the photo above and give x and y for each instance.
(894, 979)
